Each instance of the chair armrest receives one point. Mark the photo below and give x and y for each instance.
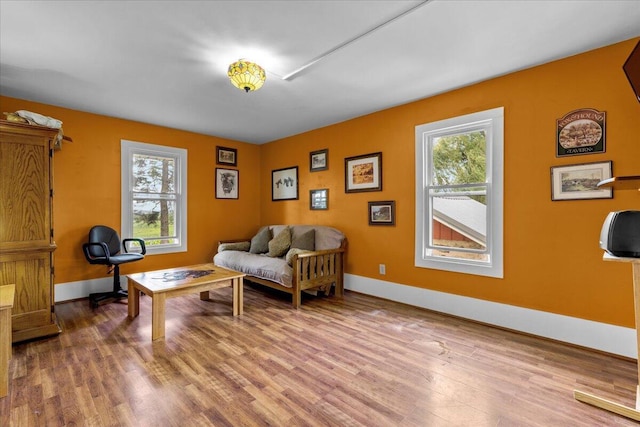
(92, 259)
(139, 241)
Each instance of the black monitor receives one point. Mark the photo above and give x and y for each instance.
(620, 234)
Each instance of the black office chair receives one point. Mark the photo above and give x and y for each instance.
(104, 248)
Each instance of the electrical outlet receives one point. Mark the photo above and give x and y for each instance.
(383, 269)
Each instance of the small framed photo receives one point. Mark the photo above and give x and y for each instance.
(382, 213)
(227, 183)
(319, 199)
(284, 184)
(580, 182)
(363, 173)
(227, 156)
(319, 160)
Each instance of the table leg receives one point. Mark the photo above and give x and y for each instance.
(133, 299)
(157, 316)
(633, 413)
(234, 292)
(636, 307)
(240, 295)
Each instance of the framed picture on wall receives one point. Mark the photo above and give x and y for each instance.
(363, 173)
(579, 182)
(581, 131)
(319, 160)
(227, 183)
(284, 184)
(382, 213)
(227, 156)
(319, 199)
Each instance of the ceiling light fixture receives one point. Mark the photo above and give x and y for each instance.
(246, 75)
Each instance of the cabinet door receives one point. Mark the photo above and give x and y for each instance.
(31, 274)
(25, 211)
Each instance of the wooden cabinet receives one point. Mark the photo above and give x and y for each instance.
(6, 303)
(26, 227)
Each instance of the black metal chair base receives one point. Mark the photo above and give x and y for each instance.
(100, 298)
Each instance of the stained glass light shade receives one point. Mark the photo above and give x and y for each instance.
(246, 75)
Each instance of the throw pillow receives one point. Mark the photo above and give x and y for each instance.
(234, 246)
(306, 240)
(260, 242)
(292, 252)
(279, 245)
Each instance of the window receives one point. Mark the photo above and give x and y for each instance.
(154, 196)
(459, 194)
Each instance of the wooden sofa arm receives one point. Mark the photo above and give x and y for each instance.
(318, 253)
(318, 269)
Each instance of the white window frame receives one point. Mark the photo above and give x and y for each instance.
(493, 121)
(128, 150)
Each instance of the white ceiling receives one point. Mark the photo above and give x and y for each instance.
(165, 62)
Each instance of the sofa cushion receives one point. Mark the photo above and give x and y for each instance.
(279, 245)
(234, 246)
(306, 240)
(260, 242)
(263, 266)
(328, 238)
(325, 237)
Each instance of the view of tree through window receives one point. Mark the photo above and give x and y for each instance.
(154, 199)
(458, 195)
(460, 159)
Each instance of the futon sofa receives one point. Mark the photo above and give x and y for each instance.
(290, 258)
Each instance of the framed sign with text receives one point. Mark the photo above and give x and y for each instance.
(581, 132)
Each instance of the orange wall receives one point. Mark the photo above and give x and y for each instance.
(87, 188)
(552, 260)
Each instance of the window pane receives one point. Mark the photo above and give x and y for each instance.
(458, 222)
(154, 221)
(153, 174)
(459, 159)
(483, 257)
(154, 204)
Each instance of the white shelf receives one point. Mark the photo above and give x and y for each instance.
(621, 183)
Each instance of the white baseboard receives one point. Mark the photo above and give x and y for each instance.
(586, 333)
(82, 289)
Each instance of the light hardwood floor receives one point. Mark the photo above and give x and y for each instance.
(360, 361)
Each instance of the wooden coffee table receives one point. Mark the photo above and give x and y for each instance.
(174, 282)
